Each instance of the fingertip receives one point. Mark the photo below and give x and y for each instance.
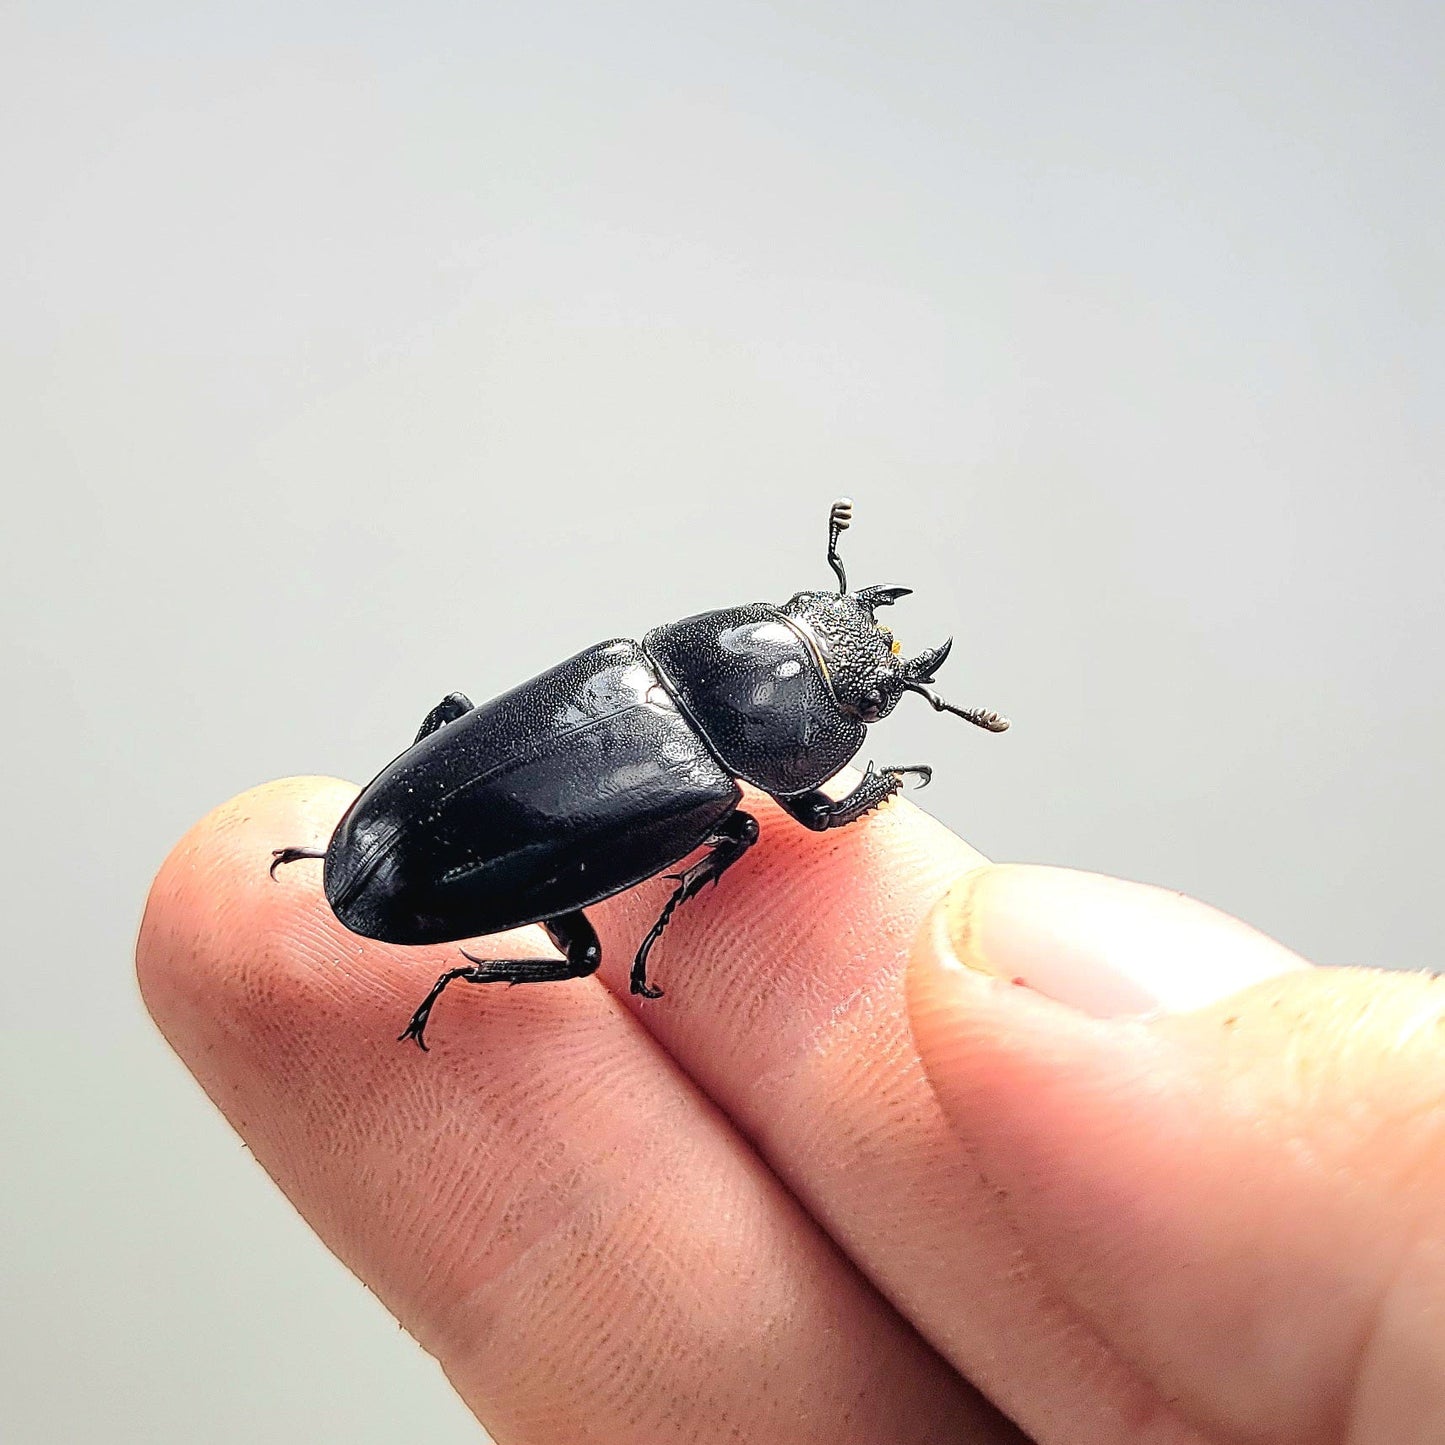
(214, 893)
(992, 1046)
(1104, 946)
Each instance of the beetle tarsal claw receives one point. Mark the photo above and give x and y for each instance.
(921, 771)
(290, 855)
(414, 1030)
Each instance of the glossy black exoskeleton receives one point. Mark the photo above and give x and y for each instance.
(616, 764)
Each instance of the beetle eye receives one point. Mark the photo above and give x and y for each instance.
(870, 705)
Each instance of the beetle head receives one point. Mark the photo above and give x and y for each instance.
(861, 658)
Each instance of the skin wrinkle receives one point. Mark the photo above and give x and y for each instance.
(529, 1230)
(634, 1381)
(588, 1302)
(517, 1227)
(532, 1239)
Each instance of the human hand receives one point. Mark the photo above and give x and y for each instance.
(759, 1217)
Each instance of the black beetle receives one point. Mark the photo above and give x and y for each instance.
(615, 764)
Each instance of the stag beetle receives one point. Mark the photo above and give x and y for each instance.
(616, 764)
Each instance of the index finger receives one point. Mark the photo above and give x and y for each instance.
(545, 1200)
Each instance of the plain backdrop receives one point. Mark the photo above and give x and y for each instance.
(355, 353)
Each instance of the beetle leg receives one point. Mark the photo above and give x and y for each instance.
(571, 932)
(449, 709)
(816, 810)
(735, 835)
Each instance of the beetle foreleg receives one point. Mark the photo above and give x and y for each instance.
(735, 835)
(449, 709)
(816, 810)
(573, 935)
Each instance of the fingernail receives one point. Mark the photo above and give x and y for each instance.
(1101, 945)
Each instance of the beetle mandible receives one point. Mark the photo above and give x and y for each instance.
(619, 763)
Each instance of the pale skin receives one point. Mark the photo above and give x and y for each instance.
(913, 1147)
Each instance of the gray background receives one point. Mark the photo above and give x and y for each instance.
(352, 354)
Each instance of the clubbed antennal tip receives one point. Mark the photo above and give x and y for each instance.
(840, 518)
(980, 717)
(995, 722)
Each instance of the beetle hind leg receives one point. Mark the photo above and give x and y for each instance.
(735, 835)
(573, 935)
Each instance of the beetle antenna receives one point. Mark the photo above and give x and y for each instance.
(291, 855)
(840, 518)
(980, 717)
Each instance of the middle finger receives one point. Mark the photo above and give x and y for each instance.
(784, 1001)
